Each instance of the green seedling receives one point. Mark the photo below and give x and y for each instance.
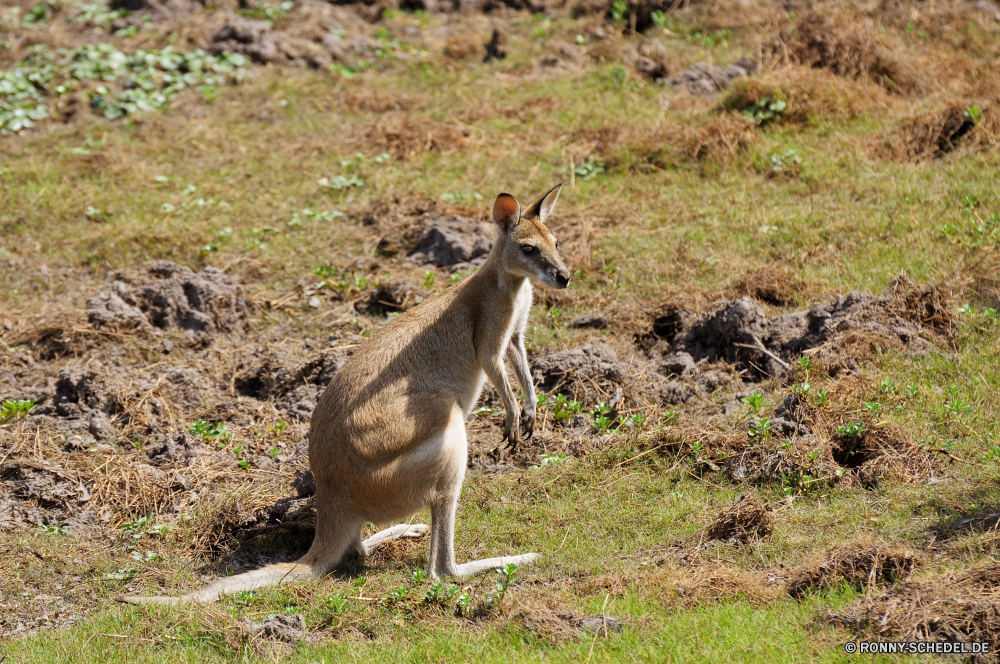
(760, 429)
(274, 452)
(54, 529)
(873, 408)
(754, 402)
(670, 418)
(137, 528)
(804, 364)
(429, 278)
(123, 574)
(335, 603)
(13, 409)
(210, 431)
(887, 387)
(418, 577)
(821, 398)
(278, 428)
(851, 430)
(245, 597)
(546, 459)
(243, 464)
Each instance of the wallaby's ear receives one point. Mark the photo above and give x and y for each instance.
(542, 208)
(506, 212)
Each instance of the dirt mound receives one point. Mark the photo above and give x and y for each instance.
(170, 296)
(739, 332)
(36, 493)
(960, 607)
(849, 45)
(451, 240)
(934, 135)
(650, 58)
(860, 563)
(588, 374)
(394, 295)
(291, 628)
(294, 387)
(745, 521)
(705, 79)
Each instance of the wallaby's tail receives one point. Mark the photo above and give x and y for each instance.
(332, 541)
(271, 575)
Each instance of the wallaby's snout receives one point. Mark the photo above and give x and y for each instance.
(530, 249)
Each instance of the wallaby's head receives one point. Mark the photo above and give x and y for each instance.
(527, 248)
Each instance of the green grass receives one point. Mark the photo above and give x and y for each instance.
(218, 183)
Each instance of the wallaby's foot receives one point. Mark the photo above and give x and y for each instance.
(527, 422)
(477, 567)
(396, 532)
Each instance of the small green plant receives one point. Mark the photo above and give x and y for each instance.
(273, 452)
(912, 391)
(13, 409)
(887, 387)
(245, 598)
(429, 278)
(339, 182)
(873, 408)
(589, 169)
(555, 315)
(804, 365)
(504, 577)
(210, 431)
(137, 528)
(335, 603)
(760, 429)
(243, 464)
(547, 459)
(802, 389)
(784, 162)
(396, 596)
(754, 402)
(463, 604)
(637, 422)
(956, 407)
(267, 12)
(851, 430)
(618, 11)
(821, 398)
(54, 529)
(418, 577)
(670, 418)
(564, 408)
(123, 574)
(659, 19)
(767, 110)
(278, 428)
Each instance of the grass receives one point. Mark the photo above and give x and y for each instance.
(267, 181)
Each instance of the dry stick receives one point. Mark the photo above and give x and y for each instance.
(761, 348)
(954, 458)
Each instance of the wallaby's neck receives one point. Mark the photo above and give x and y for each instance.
(493, 277)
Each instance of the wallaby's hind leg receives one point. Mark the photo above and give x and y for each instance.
(441, 561)
(396, 532)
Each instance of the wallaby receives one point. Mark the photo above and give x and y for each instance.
(388, 435)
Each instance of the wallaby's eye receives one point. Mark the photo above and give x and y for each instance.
(527, 249)
(558, 245)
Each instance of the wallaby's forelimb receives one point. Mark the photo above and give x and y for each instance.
(494, 369)
(518, 358)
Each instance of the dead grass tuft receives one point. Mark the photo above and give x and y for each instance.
(810, 94)
(933, 135)
(862, 563)
(405, 135)
(373, 100)
(847, 44)
(772, 285)
(721, 139)
(745, 521)
(959, 607)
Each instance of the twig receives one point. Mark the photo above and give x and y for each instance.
(760, 347)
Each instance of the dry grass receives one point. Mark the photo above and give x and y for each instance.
(811, 94)
(745, 521)
(933, 135)
(849, 45)
(959, 607)
(863, 562)
(406, 135)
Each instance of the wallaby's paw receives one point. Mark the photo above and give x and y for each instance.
(527, 422)
(511, 429)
